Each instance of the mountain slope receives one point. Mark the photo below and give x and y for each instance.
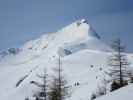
(76, 70)
(83, 54)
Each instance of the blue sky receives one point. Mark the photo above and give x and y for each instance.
(22, 20)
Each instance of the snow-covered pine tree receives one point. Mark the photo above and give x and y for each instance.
(118, 65)
(42, 94)
(58, 88)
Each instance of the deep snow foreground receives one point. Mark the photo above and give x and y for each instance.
(125, 93)
(83, 54)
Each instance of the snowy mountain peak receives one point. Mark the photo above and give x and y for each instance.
(80, 29)
(70, 39)
(84, 21)
(91, 31)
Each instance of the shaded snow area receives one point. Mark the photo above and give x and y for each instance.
(83, 59)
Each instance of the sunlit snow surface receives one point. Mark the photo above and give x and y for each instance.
(124, 93)
(84, 50)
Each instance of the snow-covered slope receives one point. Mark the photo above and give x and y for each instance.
(124, 93)
(83, 60)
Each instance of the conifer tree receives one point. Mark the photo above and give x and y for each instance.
(58, 89)
(43, 93)
(118, 65)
